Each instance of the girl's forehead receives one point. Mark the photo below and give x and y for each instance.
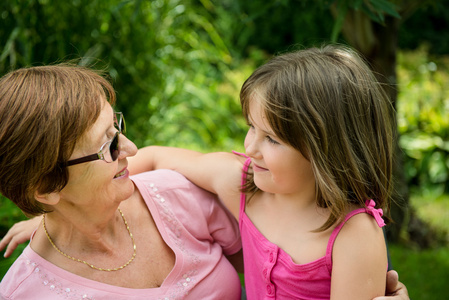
(256, 103)
(255, 111)
(257, 116)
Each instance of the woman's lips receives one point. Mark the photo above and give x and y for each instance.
(122, 173)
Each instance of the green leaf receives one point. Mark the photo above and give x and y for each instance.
(385, 6)
(342, 10)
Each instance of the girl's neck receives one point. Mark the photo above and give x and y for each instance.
(290, 223)
(298, 207)
(303, 201)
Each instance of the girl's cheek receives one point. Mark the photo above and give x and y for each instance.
(249, 139)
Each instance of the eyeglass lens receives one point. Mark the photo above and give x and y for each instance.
(120, 122)
(113, 148)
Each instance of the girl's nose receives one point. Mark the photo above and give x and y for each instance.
(251, 145)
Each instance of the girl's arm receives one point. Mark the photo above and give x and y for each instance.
(19, 233)
(359, 260)
(219, 172)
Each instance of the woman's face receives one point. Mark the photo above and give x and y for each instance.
(98, 183)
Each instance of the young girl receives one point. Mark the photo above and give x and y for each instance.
(310, 190)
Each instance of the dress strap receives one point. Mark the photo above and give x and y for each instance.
(377, 213)
(243, 181)
(370, 209)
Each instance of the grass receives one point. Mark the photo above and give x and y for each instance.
(424, 272)
(433, 208)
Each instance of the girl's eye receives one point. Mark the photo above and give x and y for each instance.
(270, 140)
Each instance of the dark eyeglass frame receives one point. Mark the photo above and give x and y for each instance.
(113, 148)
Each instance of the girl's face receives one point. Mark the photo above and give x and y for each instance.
(98, 184)
(278, 167)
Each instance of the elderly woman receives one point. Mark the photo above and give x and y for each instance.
(104, 235)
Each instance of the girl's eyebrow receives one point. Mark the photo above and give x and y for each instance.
(264, 131)
(269, 133)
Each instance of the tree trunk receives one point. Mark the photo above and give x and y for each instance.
(378, 43)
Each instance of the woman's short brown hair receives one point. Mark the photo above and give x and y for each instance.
(44, 111)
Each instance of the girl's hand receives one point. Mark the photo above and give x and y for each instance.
(19, 233)
(396, 290)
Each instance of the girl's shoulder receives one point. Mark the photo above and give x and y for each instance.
(359, 240)
(364, 218)
(363, 222)
(359, 256)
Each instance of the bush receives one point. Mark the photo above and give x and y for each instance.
(422, 110)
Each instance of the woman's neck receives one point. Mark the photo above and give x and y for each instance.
(87, 231)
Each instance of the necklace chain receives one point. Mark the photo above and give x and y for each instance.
(91, 265)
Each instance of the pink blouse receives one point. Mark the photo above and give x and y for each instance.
(191, 221)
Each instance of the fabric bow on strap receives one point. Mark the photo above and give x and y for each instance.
(377, 213)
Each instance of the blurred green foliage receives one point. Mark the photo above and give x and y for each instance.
(422, 111)
(166, 59)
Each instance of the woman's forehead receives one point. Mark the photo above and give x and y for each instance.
(100, 126)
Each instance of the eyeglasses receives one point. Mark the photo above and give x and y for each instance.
(109, 151)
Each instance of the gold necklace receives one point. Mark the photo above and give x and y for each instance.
(88, 264)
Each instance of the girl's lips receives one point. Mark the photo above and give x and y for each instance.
(122, 173)
(257, 168)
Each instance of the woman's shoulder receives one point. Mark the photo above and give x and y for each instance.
(170, 196)
(167, 186)
(162, 179)
(16, 275)
(29, 276)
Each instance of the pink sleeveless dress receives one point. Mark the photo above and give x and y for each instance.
(270, 273)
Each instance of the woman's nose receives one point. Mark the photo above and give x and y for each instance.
(127, 147)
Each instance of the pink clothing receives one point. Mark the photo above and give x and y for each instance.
(270, 272)
(192, 222)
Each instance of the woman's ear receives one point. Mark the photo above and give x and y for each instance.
(47, 198)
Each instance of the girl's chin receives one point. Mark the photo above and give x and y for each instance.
(261, 185)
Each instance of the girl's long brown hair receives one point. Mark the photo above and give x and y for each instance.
(326, 103)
